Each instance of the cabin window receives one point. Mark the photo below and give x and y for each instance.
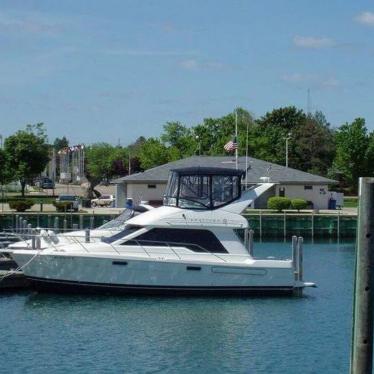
(151, 186)
(282, 191)
(195, 240)
(308, 187)
(127, 231)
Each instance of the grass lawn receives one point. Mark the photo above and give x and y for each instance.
(350, 202)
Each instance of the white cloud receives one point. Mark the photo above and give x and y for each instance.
(194, 64)
(295, 77)
(366, 18)
(190, 64)
(330, 83)
(312, 42)
(145, 52)
(27, 23)
(311, 80)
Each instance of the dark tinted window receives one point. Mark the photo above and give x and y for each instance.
(127, 231)
(195, 240)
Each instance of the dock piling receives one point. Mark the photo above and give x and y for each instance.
(362, 334)
(56, 225)
(250, 242)
(87, 236)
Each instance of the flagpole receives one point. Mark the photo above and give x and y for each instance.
(236, 138)
(246, 159)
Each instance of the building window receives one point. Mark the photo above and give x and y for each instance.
(282, 191)
(195, 240)
(151, 186)
(308, 187)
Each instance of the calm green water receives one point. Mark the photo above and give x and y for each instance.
(85, 334)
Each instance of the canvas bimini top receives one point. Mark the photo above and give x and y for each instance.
(203, 187)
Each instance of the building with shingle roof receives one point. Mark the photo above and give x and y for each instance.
(150, 184)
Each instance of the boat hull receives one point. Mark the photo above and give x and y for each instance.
(71, 287)
(122, 275)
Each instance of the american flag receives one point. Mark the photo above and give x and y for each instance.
(231, 145)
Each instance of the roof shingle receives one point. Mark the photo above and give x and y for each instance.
(256, 169)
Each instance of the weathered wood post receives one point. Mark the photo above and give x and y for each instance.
(56, 225)
(362, 334)
(300, 266)
(65, 224)
(92, 222)
(33, 239)
(87, 236)
(294, 254)
(75, 227)
(297, 261)
(24, 227)
(250, 242)
(29, 231)
(81, 221)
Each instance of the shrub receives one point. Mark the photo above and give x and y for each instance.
(20, 205)
(278, 203)
(63, 206)
(298, 204)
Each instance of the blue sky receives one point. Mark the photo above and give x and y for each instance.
(109, 70)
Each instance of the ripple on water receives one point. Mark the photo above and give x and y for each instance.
(75, 334)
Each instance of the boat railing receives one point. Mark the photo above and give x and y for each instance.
(179, 244)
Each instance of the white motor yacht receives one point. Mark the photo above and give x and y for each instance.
(190, 245)
(48, 237)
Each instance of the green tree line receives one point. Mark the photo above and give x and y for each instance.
(344, 153)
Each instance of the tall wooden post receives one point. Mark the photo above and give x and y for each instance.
(362, 334)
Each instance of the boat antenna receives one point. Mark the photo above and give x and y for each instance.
(236, 138)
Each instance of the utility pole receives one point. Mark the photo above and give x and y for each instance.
(308, 109)
(288, 137)
(362, 334)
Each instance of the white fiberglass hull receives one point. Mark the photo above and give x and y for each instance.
(121, 274)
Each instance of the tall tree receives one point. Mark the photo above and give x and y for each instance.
(180, 138)
(5, 172)
(353, 152)
(27, 153)
(102, 163)
(153, 153)
(60, 143)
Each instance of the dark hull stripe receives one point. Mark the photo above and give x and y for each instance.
(63, 286)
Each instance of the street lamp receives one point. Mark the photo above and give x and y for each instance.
(288, 137)
(198, 140)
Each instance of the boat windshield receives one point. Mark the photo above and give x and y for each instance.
(202, 189)
(119, 222)
(127, 230)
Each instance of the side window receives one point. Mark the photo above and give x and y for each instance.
(195, 240)
(308, 187)
(282, 191)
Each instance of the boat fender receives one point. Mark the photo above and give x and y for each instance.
(44, 235)
(53, 237)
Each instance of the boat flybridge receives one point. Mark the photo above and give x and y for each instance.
(189, 245)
